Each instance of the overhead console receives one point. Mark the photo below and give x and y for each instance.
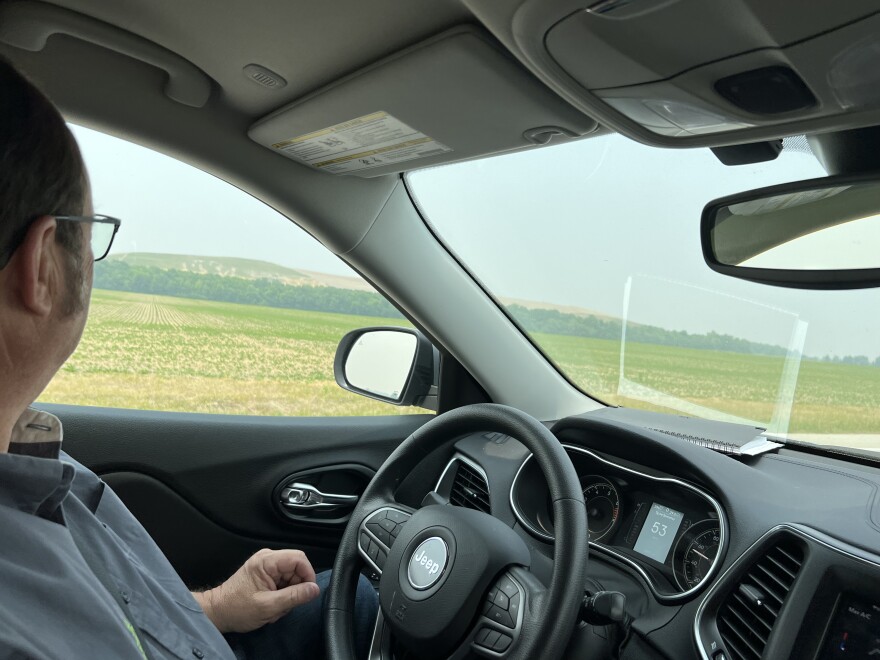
(453, 97)
(690, 71)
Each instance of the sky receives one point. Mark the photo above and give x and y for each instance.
(169, 206)
(583, 223)
(604, 224)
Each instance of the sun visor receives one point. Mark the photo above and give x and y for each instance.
(454, 97)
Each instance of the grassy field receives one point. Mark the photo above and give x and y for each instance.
(158, 353)
(151, 352)
(830, 398)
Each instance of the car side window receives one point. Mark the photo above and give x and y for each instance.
(209, 300)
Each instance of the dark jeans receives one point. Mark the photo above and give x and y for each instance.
(300, 634)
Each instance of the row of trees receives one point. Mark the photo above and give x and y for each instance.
(120, 276)
(862, 360)
(556, 322)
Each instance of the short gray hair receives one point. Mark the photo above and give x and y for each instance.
(41, 168)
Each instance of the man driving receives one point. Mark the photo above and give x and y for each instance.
(81, 577)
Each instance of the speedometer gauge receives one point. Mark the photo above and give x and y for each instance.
(695, 553)
(603, 505)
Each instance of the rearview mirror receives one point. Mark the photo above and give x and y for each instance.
(816, 234)
(395, 365)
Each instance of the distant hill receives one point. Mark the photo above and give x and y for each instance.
(249, 269)
(563, 309)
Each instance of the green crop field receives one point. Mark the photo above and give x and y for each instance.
(162, 353)
(830, 398)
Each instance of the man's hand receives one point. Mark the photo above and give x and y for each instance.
(265, 588)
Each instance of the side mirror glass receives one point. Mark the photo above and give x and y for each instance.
(395, 365)
(817, 234)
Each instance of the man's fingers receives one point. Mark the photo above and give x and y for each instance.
(278, 603)
(289, 564)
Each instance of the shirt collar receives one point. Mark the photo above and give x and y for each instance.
(36, 433)
(29, 482)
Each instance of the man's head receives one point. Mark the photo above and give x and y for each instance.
(41, 170)
(45, 264)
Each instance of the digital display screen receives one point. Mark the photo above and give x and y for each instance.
(658, 532)
(855, 631)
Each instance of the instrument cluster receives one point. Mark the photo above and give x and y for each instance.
(669, 531)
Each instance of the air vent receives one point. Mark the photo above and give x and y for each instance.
(747, 615)
(469, 489)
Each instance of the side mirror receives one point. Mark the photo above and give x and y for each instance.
(816, 234)
(395, 365)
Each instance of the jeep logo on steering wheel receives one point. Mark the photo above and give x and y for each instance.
(427, 563)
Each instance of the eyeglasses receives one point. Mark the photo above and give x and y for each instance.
(104, 228)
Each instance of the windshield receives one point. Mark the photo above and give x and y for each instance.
(593, 248)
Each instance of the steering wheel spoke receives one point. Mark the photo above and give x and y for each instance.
(501, 617)
(377, 534)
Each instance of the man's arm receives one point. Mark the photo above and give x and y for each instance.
(265, 588)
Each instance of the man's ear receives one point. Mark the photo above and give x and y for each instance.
(37, 266)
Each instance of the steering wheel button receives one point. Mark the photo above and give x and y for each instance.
(513, 608)
(365, 542)
(397, 516)
(380, 533)
(507, 586)
(491, 638)
(500, 616)
(373, 551)
(502, 643)
(501, 600)
(387, 524)
(380, 559)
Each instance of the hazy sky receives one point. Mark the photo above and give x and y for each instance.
(572, 224)
(569, 225)
(168, 206)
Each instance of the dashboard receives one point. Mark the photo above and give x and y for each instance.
(719, 557)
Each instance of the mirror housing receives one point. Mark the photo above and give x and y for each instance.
(802, 235)
(391, 364)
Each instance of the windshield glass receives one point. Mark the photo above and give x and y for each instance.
(593, 248)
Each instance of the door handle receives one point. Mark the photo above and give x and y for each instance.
(305, 497)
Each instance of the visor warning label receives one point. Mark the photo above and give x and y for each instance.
(374, 140)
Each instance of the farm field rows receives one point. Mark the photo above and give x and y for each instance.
(177, 354)
(163, 353)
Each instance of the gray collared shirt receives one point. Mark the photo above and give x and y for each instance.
(51, 604)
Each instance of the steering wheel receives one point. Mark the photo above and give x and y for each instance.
(456, 580)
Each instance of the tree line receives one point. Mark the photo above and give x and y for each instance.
(861, 360)
(120, 276)
(555, 322)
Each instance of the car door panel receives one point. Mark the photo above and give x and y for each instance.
(206, 486)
